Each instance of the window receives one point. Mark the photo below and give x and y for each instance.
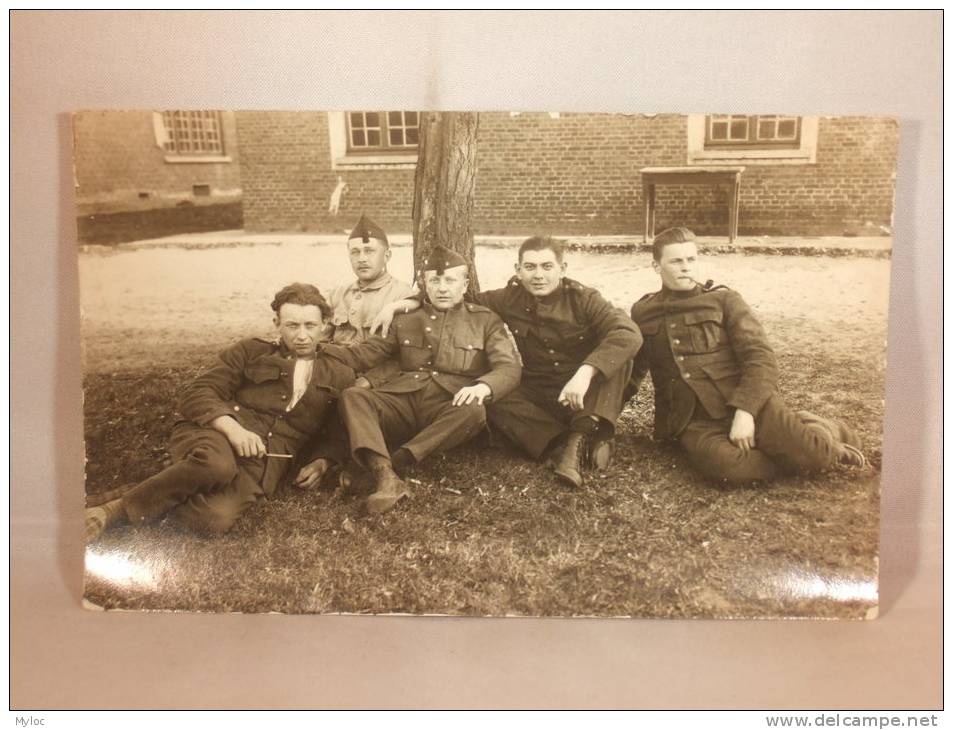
(374, 140)
(765, 131)
(196, 133)
(382, 132)
(759, 139)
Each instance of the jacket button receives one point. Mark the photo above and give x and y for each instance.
(672, 325)
(427, 329)
(269, 434)
(416, 376)
(687, 376)
(284, 397)
(284, 374)
(435, 373)
(237, 408)
(681, 358)
(406, 342)
(469, 347)
(676, 342)
(551, 352)
(556, 364)
(433, 316)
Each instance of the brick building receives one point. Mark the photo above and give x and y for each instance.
(141, 173)
(575, 173)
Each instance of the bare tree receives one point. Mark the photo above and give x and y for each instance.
(444, 184)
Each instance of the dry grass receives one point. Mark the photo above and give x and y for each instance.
(490, 533)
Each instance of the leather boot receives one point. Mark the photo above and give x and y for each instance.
(389, 489)
(402, 461)
(102, 517)
(569, 466)
(600, 453)
(847, 442)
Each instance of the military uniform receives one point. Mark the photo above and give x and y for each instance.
(355, 305)
(439, 353)
(555, 335)
(208, 486)
(708, 356)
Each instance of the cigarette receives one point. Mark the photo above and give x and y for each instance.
(280, 456)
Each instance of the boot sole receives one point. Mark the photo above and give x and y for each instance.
(570, 479)
(384, 504)
(601, 455)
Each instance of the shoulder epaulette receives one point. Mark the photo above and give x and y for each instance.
(471, 307)
(710, 286)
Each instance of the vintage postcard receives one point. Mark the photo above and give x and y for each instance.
(484, 364)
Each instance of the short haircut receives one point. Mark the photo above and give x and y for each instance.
(303, 294)
(670, 236)
(544, 243)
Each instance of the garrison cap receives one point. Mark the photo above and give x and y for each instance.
(441, 258)
(367, 229)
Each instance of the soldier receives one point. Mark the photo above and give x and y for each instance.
(716, 379)
(453, 356)
(245, 421)
(577, 352)
(356, 304)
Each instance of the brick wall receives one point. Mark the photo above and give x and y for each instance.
(120, 168)
(574, 174)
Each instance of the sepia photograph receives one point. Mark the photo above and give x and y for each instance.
(501, 363)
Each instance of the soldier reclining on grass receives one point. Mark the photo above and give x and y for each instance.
(577, 352)
(716, 379)
(246, 420)
(453, 356)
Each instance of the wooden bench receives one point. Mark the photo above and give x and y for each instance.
(652, 176)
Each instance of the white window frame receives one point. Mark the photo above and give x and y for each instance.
(804, 154)
(341, 160)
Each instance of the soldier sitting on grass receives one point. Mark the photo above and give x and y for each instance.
(716, 379)
(453, 356)
(577, 352)
(265, 404)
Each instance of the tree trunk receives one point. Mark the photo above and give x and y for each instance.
(443, 186)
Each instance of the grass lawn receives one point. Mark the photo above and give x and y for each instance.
(489, 532)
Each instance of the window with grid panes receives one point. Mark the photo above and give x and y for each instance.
(382, 132)
(193, 133)
(759, 131)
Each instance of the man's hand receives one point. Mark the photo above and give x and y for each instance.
(245, 443)
(574, 392)
(472, 394)
(385, 317)
(311, 474)
(742, 430)
(362, 382)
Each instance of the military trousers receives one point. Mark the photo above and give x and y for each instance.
(785, 444)
(423, 421)
(206, 487)
(532, 417)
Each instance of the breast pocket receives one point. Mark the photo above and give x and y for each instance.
(262, 372)
(468, 353)
(706, 330)
(414, 352)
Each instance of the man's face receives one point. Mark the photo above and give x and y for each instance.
(300, 327)
(446, 290)
(540, 272)
(677, 266)
(368, 259)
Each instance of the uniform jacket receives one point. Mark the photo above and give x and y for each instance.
(462, 346)
(252, 383)
(703, 344)
(354, 307)
(570, 327)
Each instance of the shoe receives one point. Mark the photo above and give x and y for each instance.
(600, 453)
(402, 461)
(101, 518)
(569, 466)
(390, 490)
(848, 441)
(849, 455)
